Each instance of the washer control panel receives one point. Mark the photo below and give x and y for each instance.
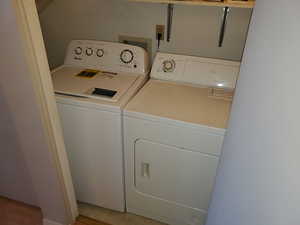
(107, 56)
(195, 70)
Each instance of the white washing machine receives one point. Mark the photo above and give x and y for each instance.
(92, 87)
(173, 133)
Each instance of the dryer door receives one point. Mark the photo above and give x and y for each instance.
(174, 174)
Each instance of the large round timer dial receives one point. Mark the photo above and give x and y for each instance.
(169, 66)
(126, 56)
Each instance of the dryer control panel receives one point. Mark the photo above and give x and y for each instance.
(195, 70)
(107, 56)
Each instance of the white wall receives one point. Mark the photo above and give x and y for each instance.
(27, 171)
(259, 176)
(15, 179)
(195, 29)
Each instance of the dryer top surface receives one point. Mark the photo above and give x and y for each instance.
(181, 102)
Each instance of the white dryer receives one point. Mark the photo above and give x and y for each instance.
(173, 133)
(92, 87)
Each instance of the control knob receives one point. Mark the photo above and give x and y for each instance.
(89, 51)
(78, 51)
(100, 52)
(169, 66)
(126, 56)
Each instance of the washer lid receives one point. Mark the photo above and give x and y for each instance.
(79, 82)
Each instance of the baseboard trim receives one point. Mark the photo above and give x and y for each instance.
(50, 222)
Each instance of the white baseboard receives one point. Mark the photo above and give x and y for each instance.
(50, 222)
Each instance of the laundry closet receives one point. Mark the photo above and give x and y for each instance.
(144, 91)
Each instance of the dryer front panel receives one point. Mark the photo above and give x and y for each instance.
(170, 169)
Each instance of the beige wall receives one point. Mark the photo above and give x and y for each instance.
(195, 29)
(26, 168)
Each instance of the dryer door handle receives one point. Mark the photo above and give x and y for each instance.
(145, 170)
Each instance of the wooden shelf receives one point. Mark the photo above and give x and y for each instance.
(229, 3)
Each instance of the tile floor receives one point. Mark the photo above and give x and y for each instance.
(113, 217)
